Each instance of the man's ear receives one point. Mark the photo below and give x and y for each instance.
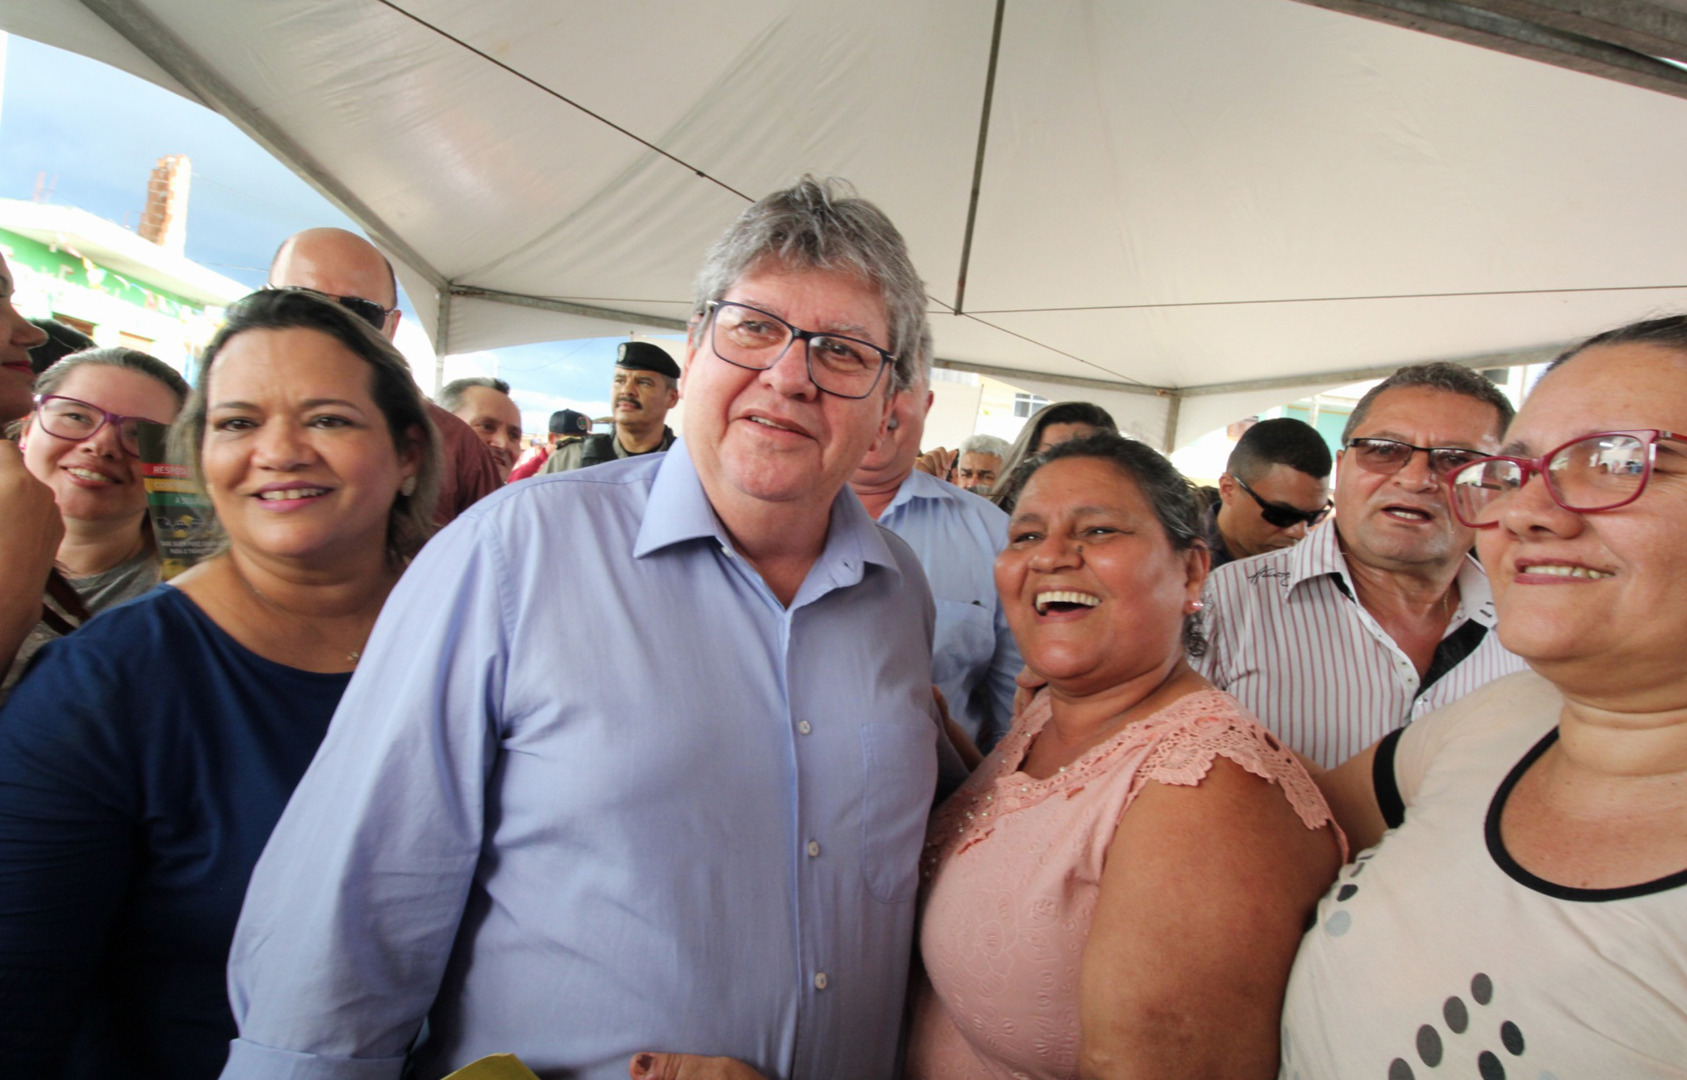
(1227, 489)
(693, 330)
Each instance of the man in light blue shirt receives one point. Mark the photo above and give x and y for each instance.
(957, 536)
(692, 827)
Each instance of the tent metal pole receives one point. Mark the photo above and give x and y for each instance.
(1010, 374)
(568, 307)
(1519, 358)
(143, 30)
(1612, 39)
(1645, 26)
(441, 340)
(978, 159)
(1174, 406)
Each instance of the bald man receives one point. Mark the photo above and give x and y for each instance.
(347, 268)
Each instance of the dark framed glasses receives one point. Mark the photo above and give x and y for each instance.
(749, 337)
(68, 418)
(1388, 456)
(367, 310)
(1586, 475)
(1281, 515)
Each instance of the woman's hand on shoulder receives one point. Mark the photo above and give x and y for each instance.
(1204, 898)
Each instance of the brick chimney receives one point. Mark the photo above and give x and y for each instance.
(165, 220)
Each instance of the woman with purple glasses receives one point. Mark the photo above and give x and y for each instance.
(1523, 911)
(80, 441)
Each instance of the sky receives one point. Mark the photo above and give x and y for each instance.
(75, 132)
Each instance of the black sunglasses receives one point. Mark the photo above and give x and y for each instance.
(367, 310)
(1280, 515)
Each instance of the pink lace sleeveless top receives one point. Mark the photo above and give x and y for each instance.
(1012, 873)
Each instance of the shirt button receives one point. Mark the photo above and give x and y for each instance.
(813, 849)
(804, 726)
(820, 981)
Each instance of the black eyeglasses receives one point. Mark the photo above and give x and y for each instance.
(74, 420)
(749, 337)
(367, 310)
(1586, 475)
(1281, 515)
(1389, 456)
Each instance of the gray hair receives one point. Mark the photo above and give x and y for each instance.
(822, 225)
(986, 444)
(1436, 375)
(450, 397)
(409, 520)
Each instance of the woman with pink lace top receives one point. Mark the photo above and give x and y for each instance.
(1061, 936)
(1119, 888)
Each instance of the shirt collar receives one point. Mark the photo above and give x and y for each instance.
(1320, 555)
(1317, 555)
(916, 485)
(679, 510)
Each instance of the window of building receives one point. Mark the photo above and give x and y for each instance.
(1026, 404)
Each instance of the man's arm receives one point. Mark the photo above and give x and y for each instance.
(28, 543)
(354, 907)
(1001, 683)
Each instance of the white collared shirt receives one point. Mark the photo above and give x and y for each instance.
(1289, 639)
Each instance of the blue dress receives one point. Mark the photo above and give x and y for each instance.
(144, 760)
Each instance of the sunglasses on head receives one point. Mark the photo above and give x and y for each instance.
(1280, 515)
(367, 310)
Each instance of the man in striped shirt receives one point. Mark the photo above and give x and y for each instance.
(1380, 615)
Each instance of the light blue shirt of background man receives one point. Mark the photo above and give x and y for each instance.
(690, 823)
(957, 536)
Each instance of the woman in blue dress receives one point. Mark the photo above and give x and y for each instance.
(145, 758)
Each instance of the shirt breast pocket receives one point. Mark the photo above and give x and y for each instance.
(901, 776)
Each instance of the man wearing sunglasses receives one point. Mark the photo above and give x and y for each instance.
(1383, 615)
(348, 269)
(1275, 487)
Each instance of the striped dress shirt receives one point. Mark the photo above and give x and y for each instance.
(1289, 639)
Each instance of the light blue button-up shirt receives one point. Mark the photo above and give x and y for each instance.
(957, 536)
(594, 790)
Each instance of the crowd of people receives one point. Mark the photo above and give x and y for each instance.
(783, 749)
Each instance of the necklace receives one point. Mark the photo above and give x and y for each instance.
(352, 655)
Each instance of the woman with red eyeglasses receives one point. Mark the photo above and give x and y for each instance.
(1525, 911)
(80, 441)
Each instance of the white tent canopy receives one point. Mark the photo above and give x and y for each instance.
(1182, 208)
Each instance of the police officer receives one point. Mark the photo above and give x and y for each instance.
(646, 386)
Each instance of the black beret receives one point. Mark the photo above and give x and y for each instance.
(643, 356)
